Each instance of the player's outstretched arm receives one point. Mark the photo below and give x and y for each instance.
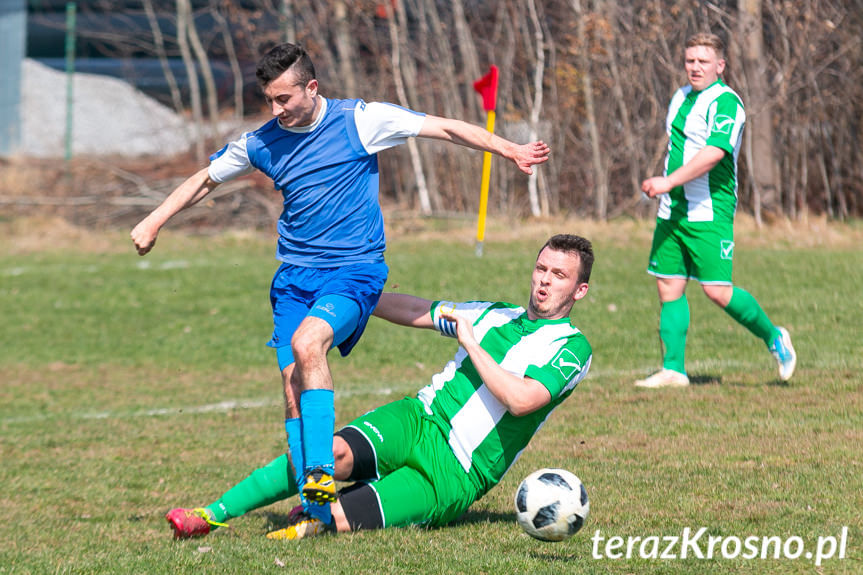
(404, 309)
(190, 192)
(522, 155)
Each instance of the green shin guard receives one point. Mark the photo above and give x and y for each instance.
(747, 312)
(266, 485)
(673, 325)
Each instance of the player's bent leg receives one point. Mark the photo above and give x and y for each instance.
(330, 321)
(745, 309)
(310, 344)
(382, 440)
(264, 486)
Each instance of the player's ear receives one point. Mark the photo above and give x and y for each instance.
(580, 291)
(312, 87)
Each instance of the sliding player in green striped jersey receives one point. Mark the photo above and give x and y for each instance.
(424, 460)
(694, 236)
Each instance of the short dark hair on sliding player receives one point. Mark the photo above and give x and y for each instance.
(284, 57)
(576, 245)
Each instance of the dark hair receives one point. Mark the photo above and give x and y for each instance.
(576, 245)
(284, 57)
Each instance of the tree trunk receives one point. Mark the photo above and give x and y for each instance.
(442, 59)
(539, 205)
(467, 50)
(159, 43)
(761, 158)
(286, 16)
(422, 189)
(345, 47)
(600, 175)
(183, 15)
(206, 71)
(633, 152)
(236, 72)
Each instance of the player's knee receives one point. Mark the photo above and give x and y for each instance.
(311, 342)
(307, 348)
(344, 458)
(718, 294)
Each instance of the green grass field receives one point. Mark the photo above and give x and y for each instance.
(132, 385)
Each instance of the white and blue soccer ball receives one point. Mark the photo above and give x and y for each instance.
(551, 504)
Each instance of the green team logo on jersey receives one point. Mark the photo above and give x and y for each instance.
(723, 124)
(566, 363)
(726, 249)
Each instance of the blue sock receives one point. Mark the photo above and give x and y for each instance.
(320, 511)
(294, 431)
(318, 413)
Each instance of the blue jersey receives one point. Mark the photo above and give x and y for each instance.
(328, 175)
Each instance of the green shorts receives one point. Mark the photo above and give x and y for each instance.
(420, 482)
(702, 251)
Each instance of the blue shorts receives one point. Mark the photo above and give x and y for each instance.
(296, 289)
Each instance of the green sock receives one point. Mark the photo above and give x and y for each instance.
(673, 325)
(747, 312)
(264, 486)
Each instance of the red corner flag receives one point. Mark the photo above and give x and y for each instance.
(487, 87)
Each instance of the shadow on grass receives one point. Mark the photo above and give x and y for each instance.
(473, 517)
(274, 520)
(710, 379)
(707, 379)
(558, 554)
(545, 550)
(278, 520)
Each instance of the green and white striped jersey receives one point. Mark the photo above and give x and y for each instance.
(485, 438)
(712, 117)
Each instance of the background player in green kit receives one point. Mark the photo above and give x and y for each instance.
(424, 460)
(694, 236)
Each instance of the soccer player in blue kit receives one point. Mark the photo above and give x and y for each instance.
(321, 154)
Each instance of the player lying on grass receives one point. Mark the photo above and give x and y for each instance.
(424, 460)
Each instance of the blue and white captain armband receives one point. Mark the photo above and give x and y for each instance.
(447, 327)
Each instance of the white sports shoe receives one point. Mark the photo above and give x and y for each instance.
(784, 353)
(664, 378)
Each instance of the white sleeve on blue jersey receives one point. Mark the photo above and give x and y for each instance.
(231, 162)
(381, 125)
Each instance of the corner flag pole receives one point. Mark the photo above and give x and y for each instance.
(487, 87)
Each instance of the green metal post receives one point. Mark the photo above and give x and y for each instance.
(70, 74)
